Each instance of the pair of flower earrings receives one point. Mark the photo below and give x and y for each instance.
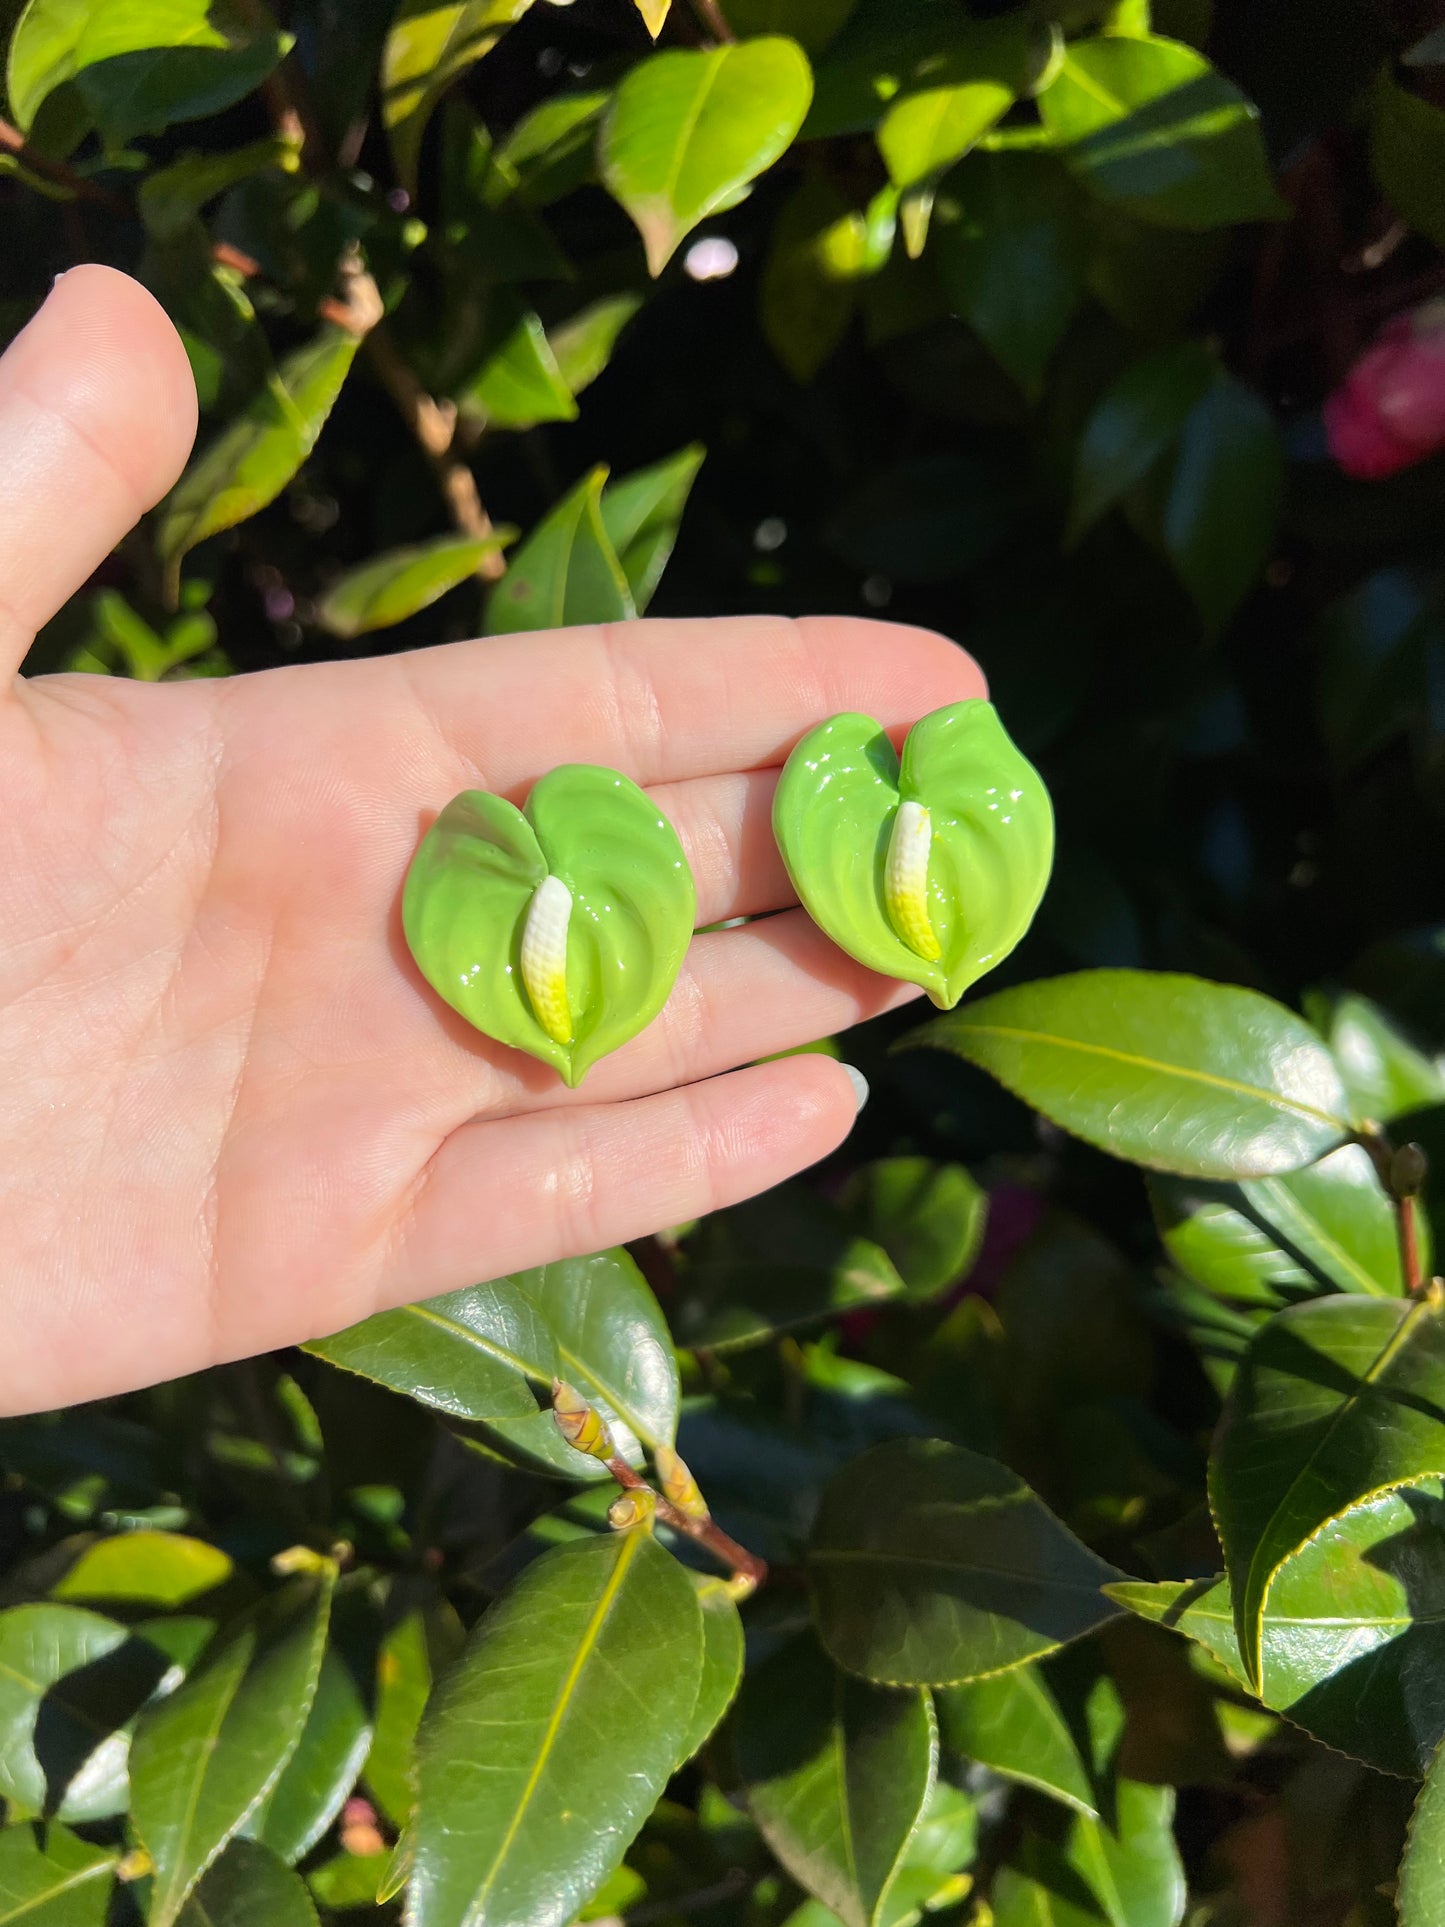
(560, 928)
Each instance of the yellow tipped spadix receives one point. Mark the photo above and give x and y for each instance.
(544, 957)
(905, 880)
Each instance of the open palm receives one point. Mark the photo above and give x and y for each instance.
(233, 1115)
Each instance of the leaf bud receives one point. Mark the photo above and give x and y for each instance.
(579, 1424)
(679, 1485)
(1409, 1168)
(634, 1508)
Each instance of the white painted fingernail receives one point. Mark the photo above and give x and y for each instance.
(859, 1083)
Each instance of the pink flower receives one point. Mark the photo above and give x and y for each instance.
(1389, 411)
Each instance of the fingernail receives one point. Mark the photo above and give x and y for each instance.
(859, 1083)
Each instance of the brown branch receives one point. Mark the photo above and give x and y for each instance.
(12, 141)
(710, 13)
(743, 1564)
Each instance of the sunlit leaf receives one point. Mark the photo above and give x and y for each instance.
(428, 47)
(396, 585)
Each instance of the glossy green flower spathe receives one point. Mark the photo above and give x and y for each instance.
(929, 870)
(559, 928)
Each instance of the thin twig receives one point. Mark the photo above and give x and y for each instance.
(710, 13)
(12, 141)
(1403, 1194)
(742, 1563)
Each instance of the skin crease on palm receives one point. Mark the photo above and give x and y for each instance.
(232, 1115)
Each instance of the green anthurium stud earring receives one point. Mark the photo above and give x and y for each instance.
(559, 928)
(929, 870)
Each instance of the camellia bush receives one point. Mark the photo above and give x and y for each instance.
(1036, 1516)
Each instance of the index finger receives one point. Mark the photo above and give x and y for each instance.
(668, 700)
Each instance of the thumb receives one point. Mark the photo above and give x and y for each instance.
(97, 416)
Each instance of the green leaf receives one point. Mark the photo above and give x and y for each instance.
(1127, 1874)
(249, 1887)
(930, 1874)
(71, 1684)
(1384, 1074)
(422, 1640)
(1407, 153)
(321, 1772)
(252, 460)
(140, 65)
(841, 797)
(972, 81)
(641, 513)
(688, 130)
(820, 245)
(838, 1774)
(1329, 1227)
(173, 196)
(566, 571)
(1013, 1724)
(396, 585)
(812, 23)
(1171, 1072)
(203, 1759)
(52, 1878)
(928, 1217)
(1353, 1650)
(722, 1662)
(485, 1353)
(547, 1744)
(428, 47)
(630, 913)
(1378, 644)
(1147, 124)
(931, 1564)
(1220, 504)
(162, 1571)
(1420, 1896)
(1139, 419)
(551, 150)
(1336, 1399)
(517, 382)
(1012, 263)
(582, 345)
(776, 1263)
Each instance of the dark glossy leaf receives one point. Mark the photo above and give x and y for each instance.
(722, 1661)
(1337, 1398)
(1421, 1893)
(1149, 125)
(516, 382)
(815, 254)
(252, 460)
(566, 571)
(171, 197)
(1268, 1241)
(1014, 1724)
(838, 1773)
(1378, 641)
(71, 1684)
(428, 47)
(50, 1877)
(931, 1564)
(1221, 502)
(1013, 261)
(203, 1758)
(1352, 1647)
(1407, 153)
(1126, 1873)
(1139, 419)
(931, 1873)
(490, 1354)
(689, 129)
(928, 1217)
(780, 1262)
(159, 1571)
(547, 1744)
(321, 1772)
(812, 23)
(393, 586)
(249, 1887)
(640, 514)
(140, 65)
(1171, 1072)
(419, 1644)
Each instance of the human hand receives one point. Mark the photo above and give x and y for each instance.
(233, 1116)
